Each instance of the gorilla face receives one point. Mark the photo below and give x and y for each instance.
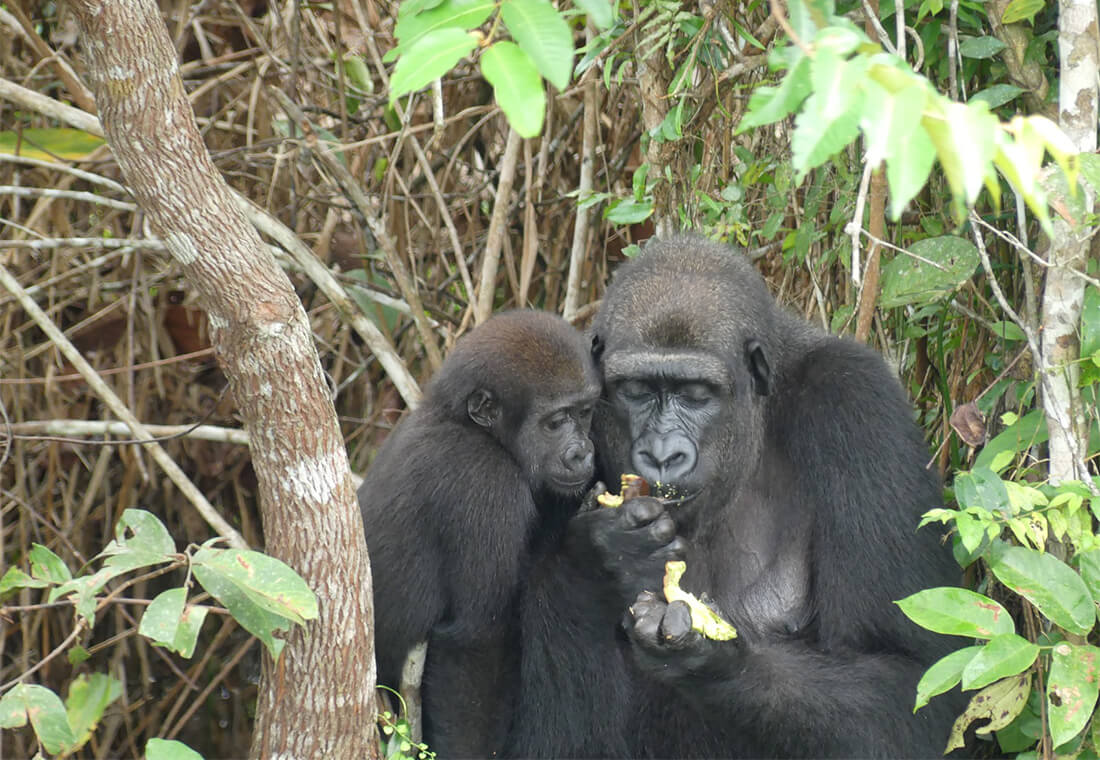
(553, 447)
(682, 418)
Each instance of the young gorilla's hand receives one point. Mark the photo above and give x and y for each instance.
(631, 543)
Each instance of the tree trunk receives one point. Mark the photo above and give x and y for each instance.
(1064, 294)
(318, 700)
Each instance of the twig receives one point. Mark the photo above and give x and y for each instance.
(584, 189)
(115, 404)
(495, 238)
(71, 195)
(109, 427)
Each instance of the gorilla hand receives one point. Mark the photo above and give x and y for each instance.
(668, 648)
(631, 543)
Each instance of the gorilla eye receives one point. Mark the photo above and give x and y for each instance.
(556, 422)
(634, 390)
(696, 393)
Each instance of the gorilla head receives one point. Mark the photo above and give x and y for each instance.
(685, 385)
(524, 378)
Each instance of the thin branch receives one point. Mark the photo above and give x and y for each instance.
(71, 195)
(73, 428)
(584, 189)
(495, 238)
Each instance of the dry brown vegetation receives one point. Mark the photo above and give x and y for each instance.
(92, 265)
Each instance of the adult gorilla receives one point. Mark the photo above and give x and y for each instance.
(799, 479)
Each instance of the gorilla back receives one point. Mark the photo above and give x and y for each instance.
(452, 502)
(797, 478)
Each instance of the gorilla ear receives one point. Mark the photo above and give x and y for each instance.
(758, 367)
(483, 408)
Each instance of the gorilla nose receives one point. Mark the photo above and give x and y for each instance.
(665, 459)
(579, 458)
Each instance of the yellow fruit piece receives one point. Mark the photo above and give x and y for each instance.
(609, 500)
(704, 620)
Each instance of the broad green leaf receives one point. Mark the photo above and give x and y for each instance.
(1022, 10)
(997, 95)
(1007, 330)
(1089, 564)
(1025, 432)
(980, 47)
(270, 582)
(888, 120)
(957, 612)
(965, 139)
(1004, 655)
(1071, 690)
(140, 540)
(1090, 328)
(187, 635)
(46, 713)
(768, 105)
(629, 212)
(981, 488)
(971, 530)
(517, 86)
(449, 14)
(169, 749)
(601, 12)
(89, 697)
(543, 34)
(999, 703)
(47, 566)
(1090, 170)
(936, 268)
(944, 674)
(15, 579)
(252, 617)
(50, 144)
(430, 57)
(1048, 583)
(908, 170)
(829, 120)
(162, 617)
(82, 591)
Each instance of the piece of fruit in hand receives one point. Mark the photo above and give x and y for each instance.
(704, 620)
(630, 486)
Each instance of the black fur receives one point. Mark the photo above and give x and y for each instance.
(799, 478)
(450, 505)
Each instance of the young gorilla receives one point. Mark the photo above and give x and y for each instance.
(800, 479)
(452, 503)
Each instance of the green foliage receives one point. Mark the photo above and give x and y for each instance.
(841, 84)
(934, 268)
(262, 593)
(433, 38)
(169, 749)
(1008, 526)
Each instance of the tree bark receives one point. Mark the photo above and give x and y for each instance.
(318, 700)
(1064, 292)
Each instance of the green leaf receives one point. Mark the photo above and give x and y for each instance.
(430, 57)
(1022, 434)
(957, 612)
(999, 703)
(1089, 564)
(981, 488)
(50, 144)
(262, 593)
(965, 136)
(629, 212)
(888, 120)
(1021, 10)
(517, 86)
(1004, 655)
(980, 47)
(997, 95)
(768, 105)
(170, 622)
(543, 34)
(943, 675)
(908, 170)
(936, 268)
(450, 14)
(601, 12)
(169, 749)
(46, 713)
(47, 566)
(89, 697)
(1048, 583)
(829, 121)
(15, 579)
(1071, 690)
(140, 540)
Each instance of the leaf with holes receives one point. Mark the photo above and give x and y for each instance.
(936, 268)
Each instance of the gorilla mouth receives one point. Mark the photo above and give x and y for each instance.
(671, 494)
